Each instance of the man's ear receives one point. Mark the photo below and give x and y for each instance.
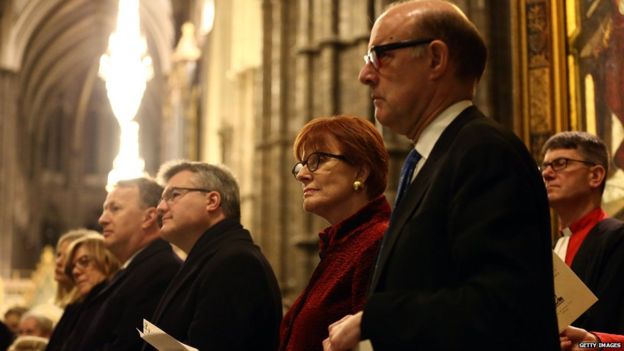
(439, 59)
(150, 217)
(597, 175)
(213, 201)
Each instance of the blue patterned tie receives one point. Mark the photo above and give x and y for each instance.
(407, 171)
(406, 175)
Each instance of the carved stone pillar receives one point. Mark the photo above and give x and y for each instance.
(9, 172)
(180, 118)
(275, 221)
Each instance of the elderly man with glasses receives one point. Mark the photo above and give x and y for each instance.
(575, 169)
(466, 261)
(225, 296)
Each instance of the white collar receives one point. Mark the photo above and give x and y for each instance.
(127, 263)
(433, 131)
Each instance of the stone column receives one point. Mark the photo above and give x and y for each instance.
(9, 170)
(274, 217)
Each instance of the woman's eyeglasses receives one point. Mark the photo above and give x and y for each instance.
(314, 160)
(82, 262)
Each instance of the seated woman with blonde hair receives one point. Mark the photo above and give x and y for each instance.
(342, 167)
(66, 292)
(90, 266)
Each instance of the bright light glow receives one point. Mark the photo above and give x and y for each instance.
(207, 18)
(126, 68)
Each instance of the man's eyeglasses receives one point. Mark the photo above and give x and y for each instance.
(174, 193)
(561, 163)
(314, 160)
(376, 52)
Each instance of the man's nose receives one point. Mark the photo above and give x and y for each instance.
(103, 219)
(163, 206)
(368, 75)
(548, 172)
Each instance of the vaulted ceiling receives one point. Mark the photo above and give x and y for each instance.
(66, 133)
(55, 47)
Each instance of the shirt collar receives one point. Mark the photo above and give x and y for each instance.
(432, 132)
(127, 263)
(377, 209)
(588, 220)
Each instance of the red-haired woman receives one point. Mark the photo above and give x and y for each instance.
(343, 168)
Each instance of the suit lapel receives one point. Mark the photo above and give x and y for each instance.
(408, 204)
(204, 249)
(120, 276)
(415, 193)
(151, 249)
(174, 287)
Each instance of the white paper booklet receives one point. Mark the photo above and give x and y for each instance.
(572, 296)
(364, 345)
(161, 340)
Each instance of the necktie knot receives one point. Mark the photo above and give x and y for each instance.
(566, 231)
(407, 172)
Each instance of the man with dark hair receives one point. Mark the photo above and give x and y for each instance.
(466, 260)
(575, 171)
(226, 296)
(131, 232)
(12, 318)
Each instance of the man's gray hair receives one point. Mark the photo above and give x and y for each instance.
(149, 190)
(591, 148)
(44, 323)
(213, 177)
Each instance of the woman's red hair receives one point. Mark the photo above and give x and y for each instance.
(358, 140)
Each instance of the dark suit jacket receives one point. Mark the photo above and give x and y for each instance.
(599, 263)
(131, 296)
(466, 262)
(76, 316)
(64, 328)
(6, 337)
(225, 297)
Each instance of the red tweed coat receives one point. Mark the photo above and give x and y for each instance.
(348, 251)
